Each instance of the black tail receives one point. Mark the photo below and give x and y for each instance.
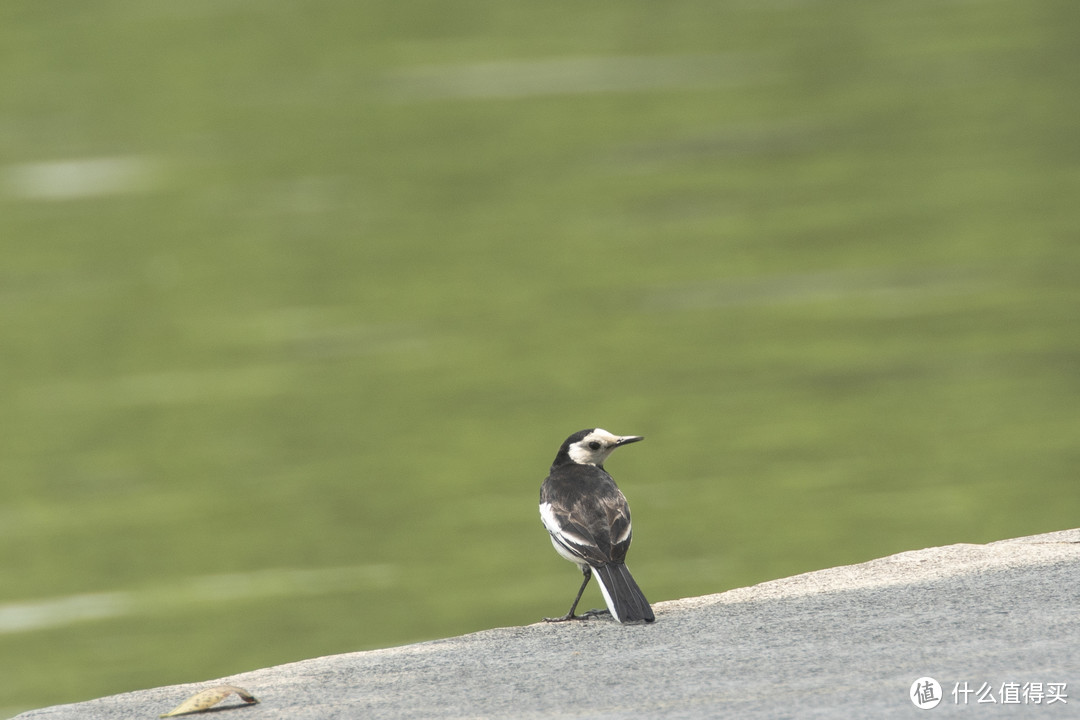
(624, 598)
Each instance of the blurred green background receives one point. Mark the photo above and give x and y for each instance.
(298, 300)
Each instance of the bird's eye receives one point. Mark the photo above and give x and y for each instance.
(594, 445)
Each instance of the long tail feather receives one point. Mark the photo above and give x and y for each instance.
(623, 596)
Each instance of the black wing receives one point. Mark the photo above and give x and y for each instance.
(586, 514)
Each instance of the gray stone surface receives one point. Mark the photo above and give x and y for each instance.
(841, 643)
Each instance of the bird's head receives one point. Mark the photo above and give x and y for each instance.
(592, 447)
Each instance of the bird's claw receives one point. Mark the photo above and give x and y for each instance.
(583, 616)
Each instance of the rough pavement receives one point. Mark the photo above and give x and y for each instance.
(846, 642)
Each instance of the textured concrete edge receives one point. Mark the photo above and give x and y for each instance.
(906, 568)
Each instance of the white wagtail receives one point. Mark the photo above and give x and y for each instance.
(589, 522)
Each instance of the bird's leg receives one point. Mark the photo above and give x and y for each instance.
(570, 615)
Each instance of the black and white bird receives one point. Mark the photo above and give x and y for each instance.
(589, 522)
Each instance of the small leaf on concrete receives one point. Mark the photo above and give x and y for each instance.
(208, 698)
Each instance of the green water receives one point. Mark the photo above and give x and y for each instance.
(287, 346)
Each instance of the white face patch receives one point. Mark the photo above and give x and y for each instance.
(594, 448)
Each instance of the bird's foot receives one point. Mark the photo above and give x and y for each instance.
(584, 616)
(564, 618)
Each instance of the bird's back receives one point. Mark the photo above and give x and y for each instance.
(594, 507)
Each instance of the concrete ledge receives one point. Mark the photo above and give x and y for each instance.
(843, 642)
